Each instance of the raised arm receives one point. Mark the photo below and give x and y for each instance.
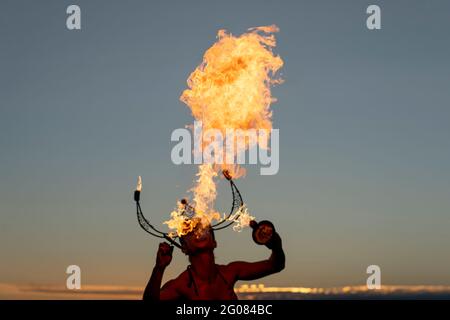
(255, 270)
(153, 290)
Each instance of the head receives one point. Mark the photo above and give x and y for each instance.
(198, 240)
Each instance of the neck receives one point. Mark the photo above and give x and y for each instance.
(204, 265)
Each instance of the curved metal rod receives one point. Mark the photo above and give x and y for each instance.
(188, 210)
(225, 225)
(173, 242)
(145, 223)
(147, 226)
(237, 203)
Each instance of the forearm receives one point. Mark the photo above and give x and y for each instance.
(153, 288)
(277, 258)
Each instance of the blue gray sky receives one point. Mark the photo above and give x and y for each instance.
(364, 138)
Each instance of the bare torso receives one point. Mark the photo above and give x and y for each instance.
(191, 287)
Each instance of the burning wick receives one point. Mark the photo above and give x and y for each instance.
(227, 175)
(137, 193)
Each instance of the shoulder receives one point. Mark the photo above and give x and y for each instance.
(223, 266)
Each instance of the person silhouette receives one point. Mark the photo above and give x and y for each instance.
(204, 279)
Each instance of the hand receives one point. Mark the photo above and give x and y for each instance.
(164, 255)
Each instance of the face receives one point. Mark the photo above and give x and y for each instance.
(199, 239)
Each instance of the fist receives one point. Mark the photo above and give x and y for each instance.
(164, 255)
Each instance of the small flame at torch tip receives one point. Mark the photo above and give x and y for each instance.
(139, 184)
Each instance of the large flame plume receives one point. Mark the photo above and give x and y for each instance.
(230, 89)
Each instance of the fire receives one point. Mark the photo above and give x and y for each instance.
(230, 89)
(242, 218)
(139, 184)
(179, 223)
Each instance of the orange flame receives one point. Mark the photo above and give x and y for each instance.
(230, 89)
